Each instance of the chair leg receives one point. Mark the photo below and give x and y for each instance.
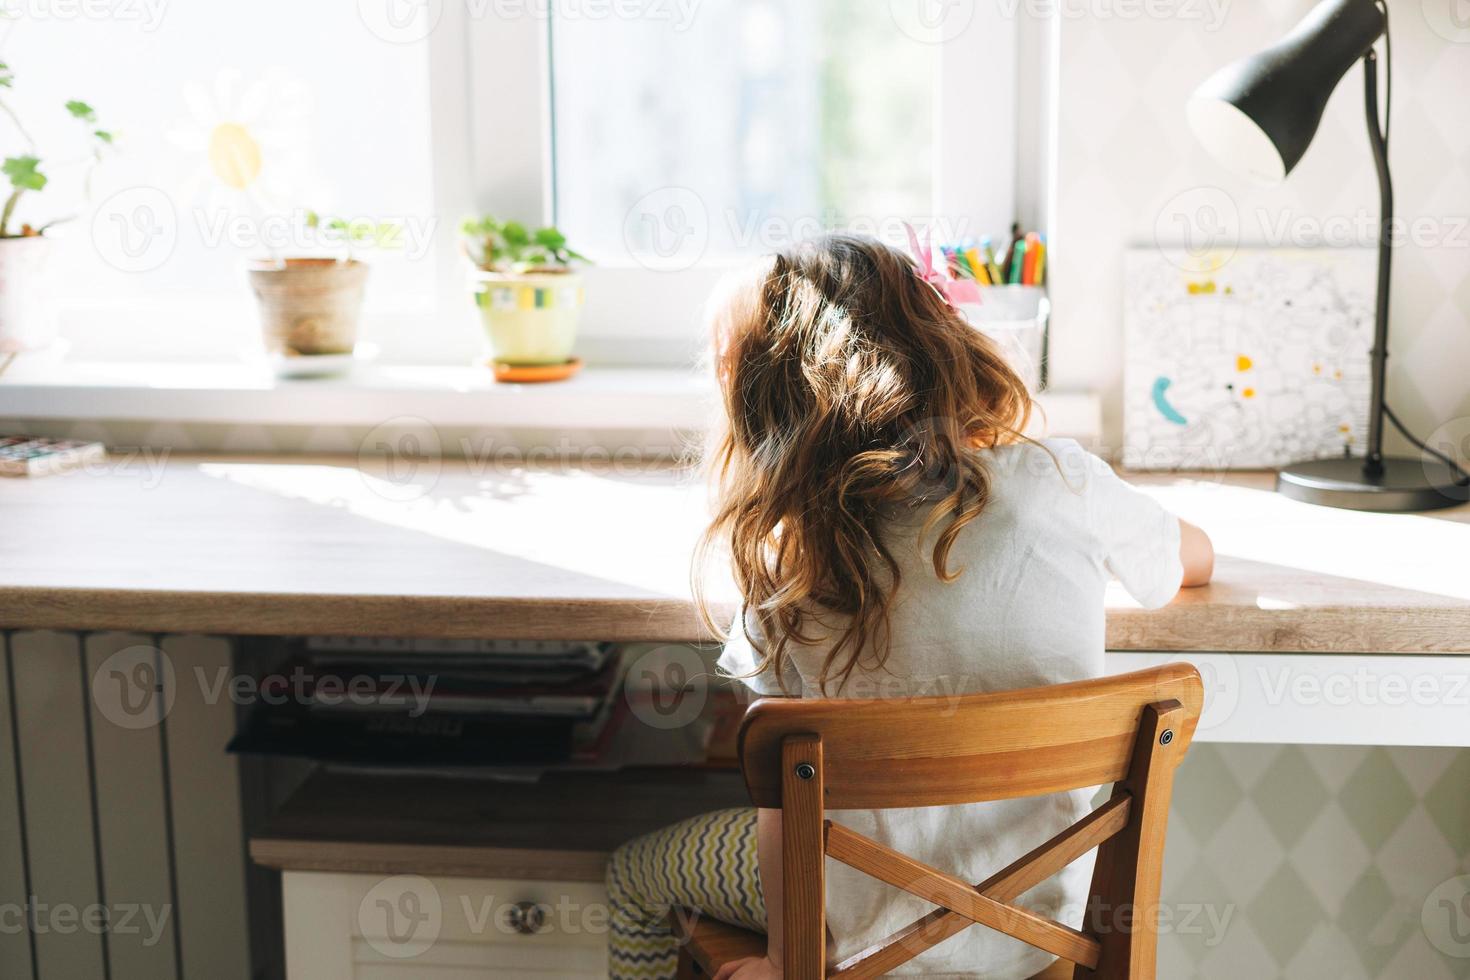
(1126, 878)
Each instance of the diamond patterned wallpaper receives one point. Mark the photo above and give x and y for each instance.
(1318, 863)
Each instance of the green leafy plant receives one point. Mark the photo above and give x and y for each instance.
(23, 170)
(509, 246)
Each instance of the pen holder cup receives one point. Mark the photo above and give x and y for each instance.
(1015, 317)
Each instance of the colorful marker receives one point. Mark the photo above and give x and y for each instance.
(1018, 262)
(990, 264)
(972, 256)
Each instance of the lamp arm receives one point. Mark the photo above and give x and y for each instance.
(1378, 356)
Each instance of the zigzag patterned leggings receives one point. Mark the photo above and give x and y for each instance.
(707, 864)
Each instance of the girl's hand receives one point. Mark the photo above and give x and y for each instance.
(750, 968)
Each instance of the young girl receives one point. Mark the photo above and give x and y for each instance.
(893, 534)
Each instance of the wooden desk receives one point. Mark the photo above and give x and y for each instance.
(273, 546)
(296, 545)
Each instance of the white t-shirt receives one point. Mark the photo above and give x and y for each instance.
(1027, 611)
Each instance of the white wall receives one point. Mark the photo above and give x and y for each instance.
(1124, 156)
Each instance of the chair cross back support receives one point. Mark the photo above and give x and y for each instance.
(807, 756)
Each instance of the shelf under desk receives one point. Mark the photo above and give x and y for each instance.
(560, 828)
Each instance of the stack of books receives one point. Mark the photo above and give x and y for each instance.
(437, 704)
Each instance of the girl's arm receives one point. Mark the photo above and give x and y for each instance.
(1197, 554)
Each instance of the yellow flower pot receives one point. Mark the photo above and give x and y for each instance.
(530, 318)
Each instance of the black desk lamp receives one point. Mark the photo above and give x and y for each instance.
(1258, 116)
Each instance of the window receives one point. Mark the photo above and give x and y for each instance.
(230, 122)
(668, 138)
(755, 122)
(679, 137)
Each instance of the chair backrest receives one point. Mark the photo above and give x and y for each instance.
(1132, 730)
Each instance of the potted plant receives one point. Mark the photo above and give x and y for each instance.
(27, 321)
(310, 305)
(529, 296)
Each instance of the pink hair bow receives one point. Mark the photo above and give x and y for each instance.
(953, 291)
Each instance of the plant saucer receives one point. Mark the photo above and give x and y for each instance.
(536, 373)
(320, 365)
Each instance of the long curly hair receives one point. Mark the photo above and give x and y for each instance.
(849, 386)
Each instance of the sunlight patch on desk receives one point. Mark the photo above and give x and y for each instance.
(507, 511)
(1386, 549)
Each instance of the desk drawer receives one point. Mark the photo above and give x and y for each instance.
(403, 927)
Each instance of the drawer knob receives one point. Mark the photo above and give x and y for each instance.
(526, 918)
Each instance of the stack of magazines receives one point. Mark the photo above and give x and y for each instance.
(438, 704)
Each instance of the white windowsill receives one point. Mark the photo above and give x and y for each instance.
(600, 398)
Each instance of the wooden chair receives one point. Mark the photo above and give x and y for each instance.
(806, 756)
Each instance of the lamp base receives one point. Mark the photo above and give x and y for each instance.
(1403, 485)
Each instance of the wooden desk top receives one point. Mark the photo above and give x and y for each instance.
(297, 545)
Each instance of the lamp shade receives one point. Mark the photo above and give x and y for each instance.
(1258, 115)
